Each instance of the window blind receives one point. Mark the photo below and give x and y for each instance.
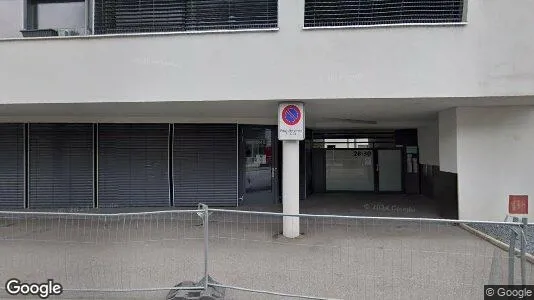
(327, 13)
(126, 16)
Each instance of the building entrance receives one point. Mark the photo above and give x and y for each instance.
(385, 162)
(258, 165)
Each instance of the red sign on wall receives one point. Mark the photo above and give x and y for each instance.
(518, 204)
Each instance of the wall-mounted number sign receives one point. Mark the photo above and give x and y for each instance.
(362, 153)
(518, 204)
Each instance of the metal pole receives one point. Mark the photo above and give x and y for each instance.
(523, 252)
(290, 188)
(206, 238)
(511, 254)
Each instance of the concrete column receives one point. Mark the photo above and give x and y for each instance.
(494, 151)
(448, 140)
(290, 187)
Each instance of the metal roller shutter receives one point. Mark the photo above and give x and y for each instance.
(126, 16)
(205, 164)
(133, 165)
(231, 14)
(61, 165)
(319, 13)
(12, 166)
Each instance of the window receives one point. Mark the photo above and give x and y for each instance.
(349, 143)
(66, 17)
(354, 143)
(126, 16)
(327, 13)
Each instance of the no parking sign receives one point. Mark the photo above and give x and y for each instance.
(291, 122)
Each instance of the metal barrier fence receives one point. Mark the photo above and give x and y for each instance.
(144, 255)
(102, 256)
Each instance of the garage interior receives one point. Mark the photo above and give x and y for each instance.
(366, 172)
(359, 172)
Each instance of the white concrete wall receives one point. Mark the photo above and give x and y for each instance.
(11, 18)
(428, 139)
(448, 134)
(490, 56)
(495, 159)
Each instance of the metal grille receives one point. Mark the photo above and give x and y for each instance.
(327, 13)
(102, 256)
(125, 16)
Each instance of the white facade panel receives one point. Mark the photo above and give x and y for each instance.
(490, 56)
(495, 159)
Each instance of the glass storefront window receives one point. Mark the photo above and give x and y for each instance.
(258, 153)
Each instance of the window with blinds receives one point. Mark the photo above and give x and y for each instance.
(126, 16)
(332, 13)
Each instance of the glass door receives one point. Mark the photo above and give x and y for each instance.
(350, 170)
(389, 170)
(258, 165)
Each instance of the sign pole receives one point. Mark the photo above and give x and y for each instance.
(523, 251)
(511, 254)
(291, 130)
(517, 207)
(290, 188)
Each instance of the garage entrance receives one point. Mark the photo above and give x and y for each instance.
(364, 170)
(375, 162)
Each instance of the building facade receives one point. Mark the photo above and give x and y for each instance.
(174, 102)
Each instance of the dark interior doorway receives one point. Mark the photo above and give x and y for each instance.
(259, 165)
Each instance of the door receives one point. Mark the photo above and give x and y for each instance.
(389, 170)
(258, 161)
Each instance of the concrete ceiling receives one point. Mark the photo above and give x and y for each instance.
(328, 113)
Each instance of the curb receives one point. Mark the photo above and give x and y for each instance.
(494, 241)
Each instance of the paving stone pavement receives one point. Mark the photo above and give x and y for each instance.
(342, 259)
